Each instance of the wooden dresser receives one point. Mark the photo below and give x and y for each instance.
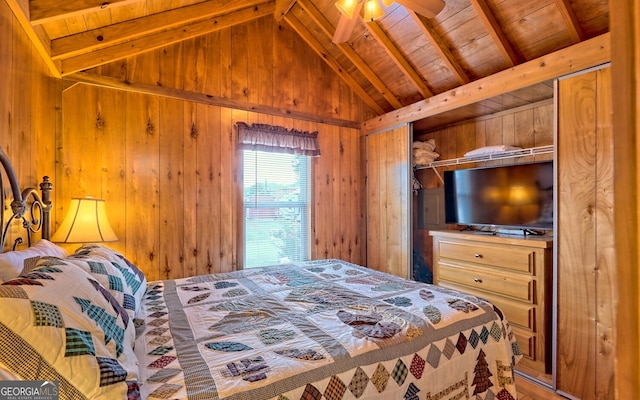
(513, 272)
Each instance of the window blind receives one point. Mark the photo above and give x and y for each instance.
(276, 207)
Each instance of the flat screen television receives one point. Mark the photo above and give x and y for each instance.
(512, 196)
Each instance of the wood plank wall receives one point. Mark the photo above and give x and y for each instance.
(259, 63)
(625, 76)
(168, 168)
(388, 201)
(527, 126)
(585, 241)
(30, 101)
(169, 172)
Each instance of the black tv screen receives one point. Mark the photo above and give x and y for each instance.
(517, 196)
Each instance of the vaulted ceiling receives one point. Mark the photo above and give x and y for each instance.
(392, 62)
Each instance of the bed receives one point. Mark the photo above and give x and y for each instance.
(325, 329)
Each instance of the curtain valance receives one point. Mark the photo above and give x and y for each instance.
(279, 139)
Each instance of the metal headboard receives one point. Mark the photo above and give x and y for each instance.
(27, 205)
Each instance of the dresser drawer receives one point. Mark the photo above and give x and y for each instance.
(517, 313)
(527, 342)
(508, 257)
(513, 285)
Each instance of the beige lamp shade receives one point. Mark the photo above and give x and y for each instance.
(85, 222)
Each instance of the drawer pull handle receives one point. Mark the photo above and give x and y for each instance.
(477, 255)
(477, 280)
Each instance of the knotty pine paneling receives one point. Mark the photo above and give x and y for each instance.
(259, 62)
(171, 176)
(174, 213)
(388, 201)
(605, 237)
(30, 101)
(586, 262)
(186, 151)
(524, 126)
(140, 233)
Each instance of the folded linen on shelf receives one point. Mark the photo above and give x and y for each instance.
(423, 153)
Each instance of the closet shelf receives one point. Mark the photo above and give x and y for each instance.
(531, 151)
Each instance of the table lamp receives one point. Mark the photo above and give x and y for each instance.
(85, 222)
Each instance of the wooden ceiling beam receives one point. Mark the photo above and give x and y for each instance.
(570, 18)
(36, 34)
(282, 8)
(399, 59)
(52, 10)
(304, 33)
(162, 39)
(577, 57)
(100, 38)
(441, 47)
(348, 51)
(427, 8)
(155, 90)
(500, 39)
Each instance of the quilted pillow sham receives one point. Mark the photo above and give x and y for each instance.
(12, 263)
(133, 280)
(58, 323)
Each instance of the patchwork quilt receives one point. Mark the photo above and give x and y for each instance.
(70, 321)
(323, 329)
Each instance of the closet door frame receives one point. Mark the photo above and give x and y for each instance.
(389, 233)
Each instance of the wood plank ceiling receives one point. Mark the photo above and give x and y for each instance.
(392, 62)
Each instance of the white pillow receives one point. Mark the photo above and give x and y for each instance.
(12, 263)
(483, 151)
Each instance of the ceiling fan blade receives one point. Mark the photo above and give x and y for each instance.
(426, 8)
(346, 25)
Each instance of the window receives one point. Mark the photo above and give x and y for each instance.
(276, 208)
(276, 192)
